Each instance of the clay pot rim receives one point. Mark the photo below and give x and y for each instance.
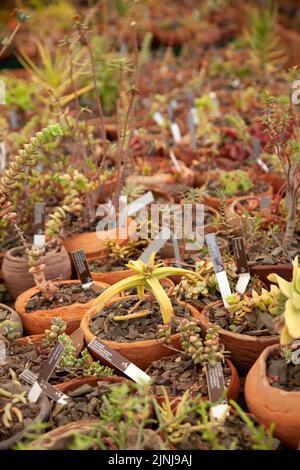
(263, 267)
(85, 325)
(9, 309)
(23, 298)
(11, 253)
(262, 359)
(254, 339)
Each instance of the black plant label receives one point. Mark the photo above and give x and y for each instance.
(240, 255)
(82, 266)
(51, 392)
(215, 382)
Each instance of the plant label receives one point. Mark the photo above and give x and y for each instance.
(215, 255)
(158, 118)
(265, 202)
(192, 130)
(174, 161)
(176, 133)
(2, 352)
(216, 390)
(2, 155)
(82, 268)
(39, 239)
(51, 392)
(161, 238)
(256, 153)
(46, 372)
(176, 251)
(242, 264)
(119, 361)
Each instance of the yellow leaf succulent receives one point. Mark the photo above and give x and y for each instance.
(291, 290)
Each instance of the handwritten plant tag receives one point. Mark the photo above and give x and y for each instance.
(51, 392)
(39, 239)
(120, 362)
(46, 372)
(242, 264)
(82, 268)
(221, 275)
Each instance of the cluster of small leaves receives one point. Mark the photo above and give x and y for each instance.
(10, 329)
(204, 283)
(58, 327)
(234, 182)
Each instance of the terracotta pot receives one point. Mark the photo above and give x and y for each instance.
(141, 353)
(13, 316)
(71, 385)
(263, 270)
(113, 276)
(232, 393)
(42, 416)
(272, 405)
(167, 251)
(15, 269)
(40, 320)
(244, 349)
(2, 254)
(213, 201)
(93, 243)
(275, 180)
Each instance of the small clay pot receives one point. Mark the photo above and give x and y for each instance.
(37, 322)
(15, 269)
(273, 405)
(93, 243)
(141, 353)
(263, 270)
(244, 349)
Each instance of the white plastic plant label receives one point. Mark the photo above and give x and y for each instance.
(176, 133)
(158, 118)
(221, 275)
(2, 155)
(175, 161)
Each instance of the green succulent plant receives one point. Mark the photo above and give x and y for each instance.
(235, 182)
(291, 313)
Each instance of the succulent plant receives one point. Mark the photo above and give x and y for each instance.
(58, 327)
(10, 329)
(204, 283)
(291, 314)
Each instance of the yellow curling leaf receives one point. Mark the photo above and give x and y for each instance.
(292, 319)
(285, 337)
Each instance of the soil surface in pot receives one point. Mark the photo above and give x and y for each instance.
(85, 403)
(178, 373)
(4, 314)
(254, 323)
(98, 266)
(144, 328)
(67, 294)
(281, 374)
(267, 251)
(26, 411)
(32, 356)
(233, 431)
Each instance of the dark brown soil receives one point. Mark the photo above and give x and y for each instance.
(103, 325)
(270, 252)
(98, 266)
(68, 294)
(254, 323)
(178, 373)
(32, 356)
(234, 431)
(85, 403)
(282, 375)
(29, 413)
